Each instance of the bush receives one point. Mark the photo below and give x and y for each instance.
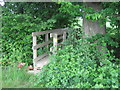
(81, 65)
(17, 37)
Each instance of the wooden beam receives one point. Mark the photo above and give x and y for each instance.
(64, 36)
(59, 32)
(42, 44)
(49, 31)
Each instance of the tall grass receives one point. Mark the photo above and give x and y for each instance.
(14, 78)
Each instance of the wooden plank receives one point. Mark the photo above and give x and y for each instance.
(59, 32)
(52, 48)
(49, 31)
(42, 44)
(40, 57)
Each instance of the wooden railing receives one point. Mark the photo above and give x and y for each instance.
(53, 34)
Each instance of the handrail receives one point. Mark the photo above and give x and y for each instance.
(48, 31)
(42, 44)
(54, 33)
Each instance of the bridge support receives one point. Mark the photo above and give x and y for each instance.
(34, 52)
(55, 42)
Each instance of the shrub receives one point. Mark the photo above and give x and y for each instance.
(17, 36)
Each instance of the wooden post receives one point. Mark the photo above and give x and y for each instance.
(46, 38)
(55, 41)
(34, 52)
(51, 35)
(64, 36)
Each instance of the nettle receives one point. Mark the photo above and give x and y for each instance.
(81, 65)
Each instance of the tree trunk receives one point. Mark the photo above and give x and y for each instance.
(92, 28)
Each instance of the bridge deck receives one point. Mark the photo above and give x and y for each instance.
(42, 62)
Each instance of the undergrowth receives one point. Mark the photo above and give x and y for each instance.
(12, 77)
(81, 64)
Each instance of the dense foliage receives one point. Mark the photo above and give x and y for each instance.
(17, 36)
(80, 65)
(86, 63)
(18, 23)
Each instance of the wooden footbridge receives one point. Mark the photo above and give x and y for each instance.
(51, 36)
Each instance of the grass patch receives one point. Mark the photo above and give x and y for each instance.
(12, 77)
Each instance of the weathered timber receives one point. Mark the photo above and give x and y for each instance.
(34, 50)
(64, 36)
(49, 31)
(42, 44)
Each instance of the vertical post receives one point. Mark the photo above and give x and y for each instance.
(64, 36)
(51, 48)
(34, 51)
(46, 38)
(55, 41)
